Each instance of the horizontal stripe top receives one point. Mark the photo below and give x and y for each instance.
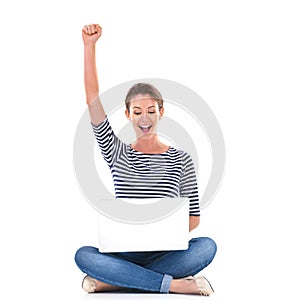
(138, 175)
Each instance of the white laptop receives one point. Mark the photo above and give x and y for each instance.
(143, 225)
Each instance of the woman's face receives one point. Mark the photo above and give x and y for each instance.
(144, 113)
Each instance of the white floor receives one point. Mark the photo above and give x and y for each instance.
(134, 296)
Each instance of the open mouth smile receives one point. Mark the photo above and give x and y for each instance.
(145, 128)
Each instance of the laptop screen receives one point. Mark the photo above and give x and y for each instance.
(151, 225)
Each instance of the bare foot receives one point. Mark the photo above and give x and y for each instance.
(92, 285)
(191, 285)
(105, 287)
(184, 286)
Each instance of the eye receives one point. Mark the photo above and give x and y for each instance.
(137, 112)
(151, 112)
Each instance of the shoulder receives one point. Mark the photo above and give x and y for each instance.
(175, 151)
(179, 154)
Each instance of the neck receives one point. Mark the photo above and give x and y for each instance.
(149, 144)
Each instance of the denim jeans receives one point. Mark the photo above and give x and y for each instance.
(147, 271)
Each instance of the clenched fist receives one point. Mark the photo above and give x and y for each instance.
(91, 33)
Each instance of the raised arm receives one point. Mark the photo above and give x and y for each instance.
(90, 35)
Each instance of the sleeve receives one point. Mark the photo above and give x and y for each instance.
(109, 144)
(189, 186)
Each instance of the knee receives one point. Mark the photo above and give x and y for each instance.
(211, 247)
(81, 255)
(206, 246)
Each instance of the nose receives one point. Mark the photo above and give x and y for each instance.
(144, 116)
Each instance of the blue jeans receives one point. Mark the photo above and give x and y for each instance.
(147, 271)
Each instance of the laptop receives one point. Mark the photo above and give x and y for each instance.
(132, 225)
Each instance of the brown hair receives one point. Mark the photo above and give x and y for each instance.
(144, 89)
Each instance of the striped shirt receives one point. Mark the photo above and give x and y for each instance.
(139, 175)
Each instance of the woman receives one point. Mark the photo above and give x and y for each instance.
(159, 271)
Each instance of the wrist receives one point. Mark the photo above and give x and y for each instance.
(90, 46)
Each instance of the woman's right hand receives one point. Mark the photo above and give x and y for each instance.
(91, 33)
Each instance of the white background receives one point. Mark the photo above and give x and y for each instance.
(242, 57)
